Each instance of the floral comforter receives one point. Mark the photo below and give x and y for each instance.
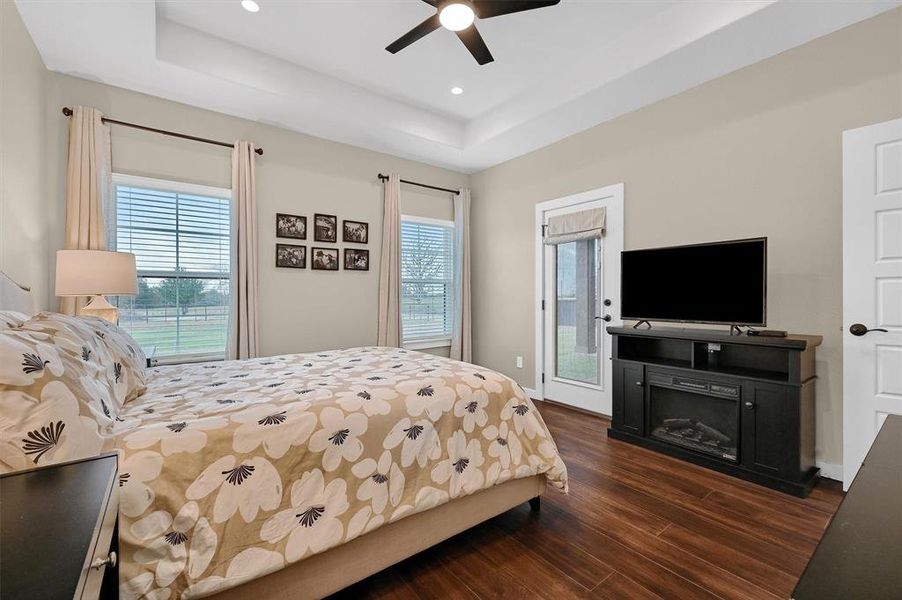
(233, 470)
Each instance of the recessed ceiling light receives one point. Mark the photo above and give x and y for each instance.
(457, 91)
(456, 16)
(250, 6)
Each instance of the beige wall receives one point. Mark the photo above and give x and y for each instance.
(24, 231)
(300, 310)
(757, 152)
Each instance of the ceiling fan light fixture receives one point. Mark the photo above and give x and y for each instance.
(456, 16)
(459, 16)
(250, 6)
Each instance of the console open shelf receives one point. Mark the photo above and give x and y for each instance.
(669, 352)
(747, 372)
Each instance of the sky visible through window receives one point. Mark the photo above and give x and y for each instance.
(181, 244)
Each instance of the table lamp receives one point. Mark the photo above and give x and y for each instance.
(95, 273)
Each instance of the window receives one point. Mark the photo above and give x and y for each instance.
(427, 281)
(180, 235)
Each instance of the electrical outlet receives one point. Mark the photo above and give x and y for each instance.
(519, 362)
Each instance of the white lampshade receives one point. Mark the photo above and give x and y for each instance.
(95, 272)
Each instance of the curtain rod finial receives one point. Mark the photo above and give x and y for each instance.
(67, 111)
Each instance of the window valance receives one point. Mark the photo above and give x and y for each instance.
(582, 225)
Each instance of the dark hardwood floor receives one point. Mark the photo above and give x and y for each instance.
(636, 524)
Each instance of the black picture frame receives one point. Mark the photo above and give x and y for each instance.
(324, 259)
(291, 226)
(291, 256)
(357, 259)
(325, 228)
(350, 232)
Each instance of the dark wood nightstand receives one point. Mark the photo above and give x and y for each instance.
(57, 530)
(150, 352)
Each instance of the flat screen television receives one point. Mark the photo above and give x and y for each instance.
(718, 282)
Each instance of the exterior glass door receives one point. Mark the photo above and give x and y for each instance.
(578, 287)
(577, 303)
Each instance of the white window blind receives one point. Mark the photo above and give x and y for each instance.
(427, 279)
(181, 238)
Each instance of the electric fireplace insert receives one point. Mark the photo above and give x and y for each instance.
(695, 414)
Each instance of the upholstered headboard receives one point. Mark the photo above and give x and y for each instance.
(15, 296)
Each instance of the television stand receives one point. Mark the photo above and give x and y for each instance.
(636, 326)
(741, 405)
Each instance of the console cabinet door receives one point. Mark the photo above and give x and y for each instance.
(629, 398)
(769, 428)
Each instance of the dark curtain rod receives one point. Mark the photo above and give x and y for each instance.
(423, 185)
(68, 112)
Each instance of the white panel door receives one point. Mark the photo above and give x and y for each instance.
(872, 286)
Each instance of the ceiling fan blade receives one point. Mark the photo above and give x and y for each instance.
(426, 27)
(486, 9)
(475, 44)
(432, 2)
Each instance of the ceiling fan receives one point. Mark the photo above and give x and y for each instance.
(458, 16)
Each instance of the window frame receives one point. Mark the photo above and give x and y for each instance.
(427, 342)
(178, 187)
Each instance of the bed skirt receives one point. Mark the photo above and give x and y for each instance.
(333, 570)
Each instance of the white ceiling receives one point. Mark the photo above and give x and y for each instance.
(319, 66)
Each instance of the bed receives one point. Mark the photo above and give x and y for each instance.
(287, 476)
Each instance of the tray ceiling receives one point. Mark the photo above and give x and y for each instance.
(320, 67)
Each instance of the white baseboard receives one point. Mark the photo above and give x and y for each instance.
(830, 470)
(531, 393)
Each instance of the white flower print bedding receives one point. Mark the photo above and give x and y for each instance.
(233, 470)
(10, 319)
(99, 341)
(58, 400)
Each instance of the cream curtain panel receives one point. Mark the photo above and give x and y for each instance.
(244, 326)
(462, 339)
(89, 183)
(389, 330)
(582, 225)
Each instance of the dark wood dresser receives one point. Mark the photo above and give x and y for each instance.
(860, 555)
(57, 530)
